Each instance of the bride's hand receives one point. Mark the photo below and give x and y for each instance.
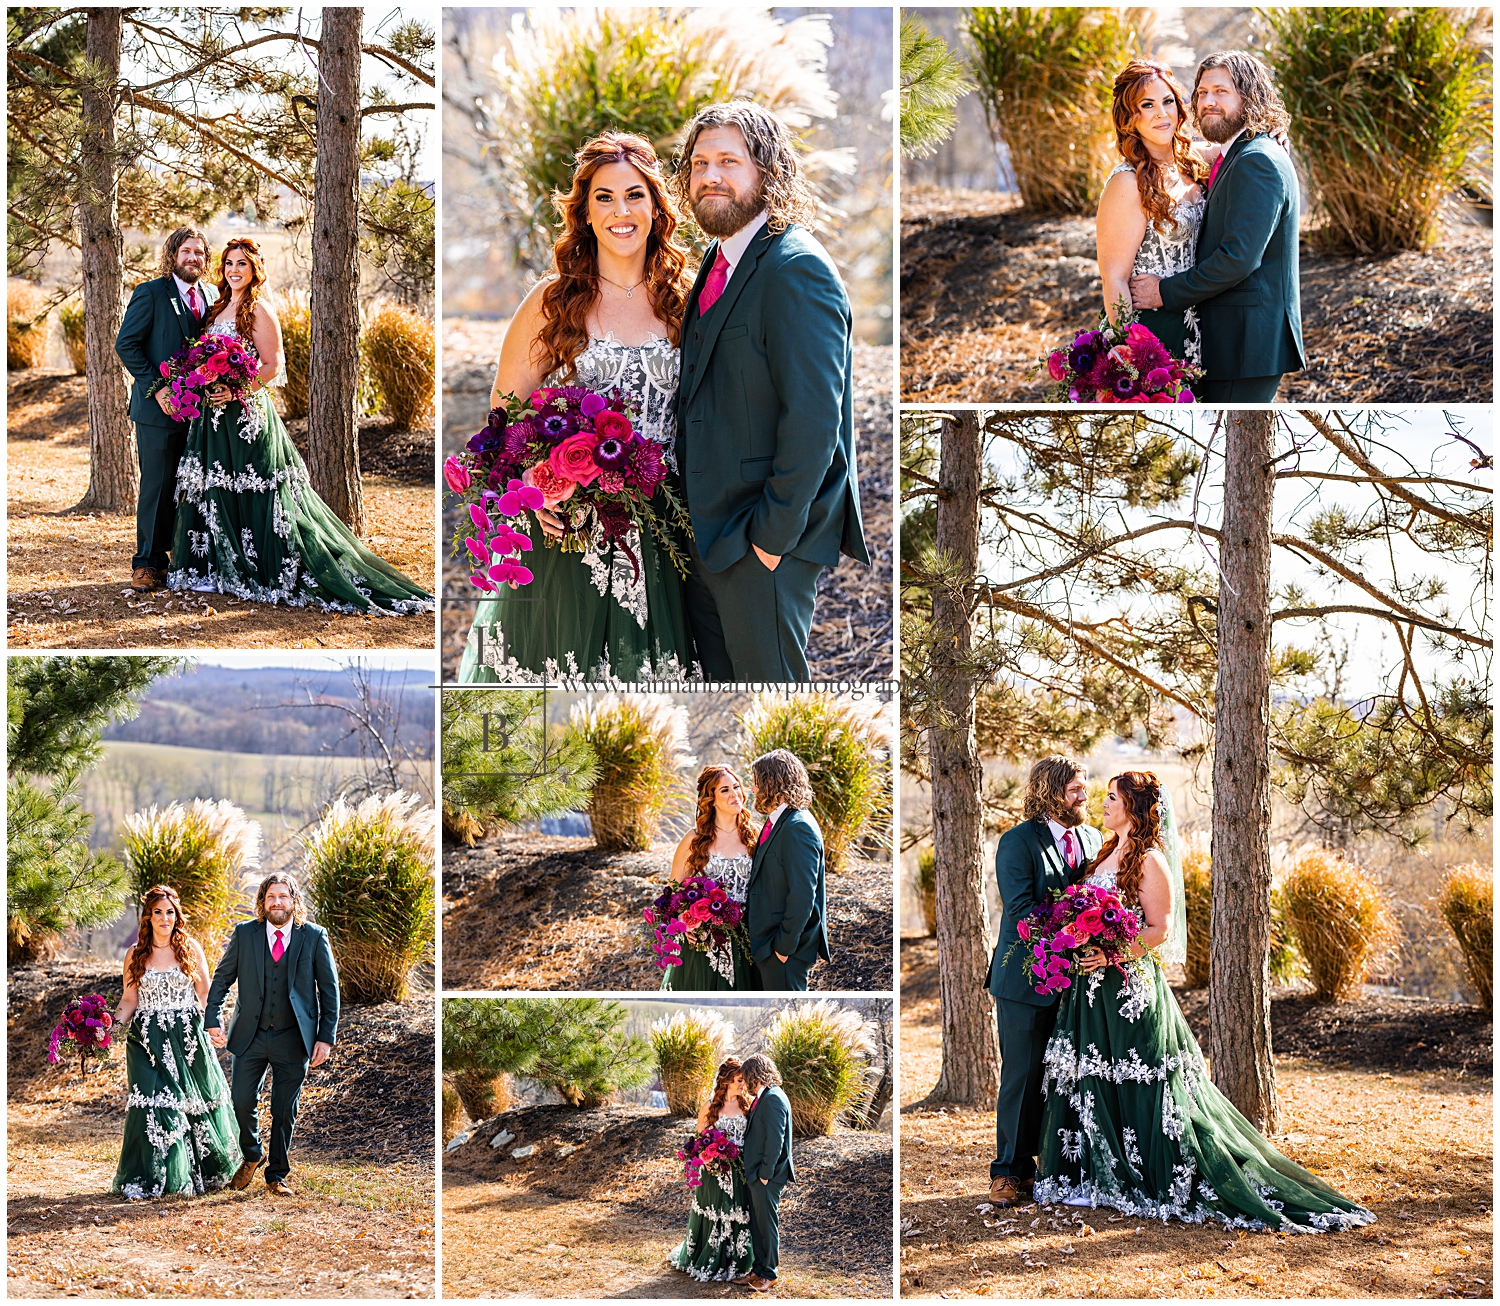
(219, 395)
(1091, 960)
(553, 526)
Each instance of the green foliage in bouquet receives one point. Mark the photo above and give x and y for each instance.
(577, 1046)
(639, 742)
(824, 1054)
(1391, 114)
(846, 751)
(688, 1047)
(503, 763)
(370, 884)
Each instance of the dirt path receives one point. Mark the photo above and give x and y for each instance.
(69, 574)
(600, 1222)
(1416, 1148)
(548, 912)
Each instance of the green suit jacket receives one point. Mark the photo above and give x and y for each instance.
(156, 325)
(765, 410)
(1028, 867)
(1245, 283)
(767, 1153)
(786, 903)
(313, 985)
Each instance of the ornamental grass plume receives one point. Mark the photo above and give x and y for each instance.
(70, 318)
(202, 849)
(926, 886)
(26, 326)
(295, 315)
(398, 345)
(370, 885)
(1467, 901)
(1342, 922)
(1285, 961)
(846, 749)
(640, 743)
(689, 1046)
(824, 1054)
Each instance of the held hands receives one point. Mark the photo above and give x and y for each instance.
(1145, 292)
(770, 561)
(321, 1053)
(217, 1037)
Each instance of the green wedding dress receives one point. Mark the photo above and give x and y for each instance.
(249, 523)
(595, 615)
(717, 1246)
(700, 972)
(1134, 1123)
(180, 1131)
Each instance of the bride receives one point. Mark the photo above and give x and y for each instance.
(1153, 202)
(1133, 1120)
(248, 521)
(180, 1130)
(717, 1246)
(609, 317)
(719, 846)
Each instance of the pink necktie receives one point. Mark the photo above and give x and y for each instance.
(765, 833)
(718, 277)
(276, 948)
(193, 300)
(1212, 173)
(1068, 850)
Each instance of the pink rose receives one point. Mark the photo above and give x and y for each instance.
(555, 489)
(573, 459)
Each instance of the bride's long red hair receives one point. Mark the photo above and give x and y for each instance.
(1151, 176)
(244, 316)
(140, 951)
(705, 826)
(1140, 791)
(572, 293)
(728, 1069)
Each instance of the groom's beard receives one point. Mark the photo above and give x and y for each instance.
(1218, 127)
(272, 915)
(720, 214)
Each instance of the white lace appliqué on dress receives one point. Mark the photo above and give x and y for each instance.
(1165, 255)
(733, 873)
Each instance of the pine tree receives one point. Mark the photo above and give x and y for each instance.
(57, 709)
(577, 1046)
(932, 82)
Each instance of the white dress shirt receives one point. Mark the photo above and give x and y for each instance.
(286, 936)
(183, 289)
(1058, 831)
(733, 247)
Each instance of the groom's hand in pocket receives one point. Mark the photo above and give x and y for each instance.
(321, 1053)
(770, 560)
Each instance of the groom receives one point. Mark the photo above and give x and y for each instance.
(767, 1158)
(163, 315)
(1245, 283)
(765, 409)
(786, 903)
(1048, 850)
(285, 1018)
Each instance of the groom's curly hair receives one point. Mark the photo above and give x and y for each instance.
(780, 778)
(785, 192)
(759, 1070)
(167, 264)
(1047, 789)
(1264, 111)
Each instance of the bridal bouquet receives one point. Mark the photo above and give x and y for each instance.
(699, 914)
(1080, 916)
(201, 364)
(1124, 364)
(710, 1152)
(85, 1023)
(576, 453)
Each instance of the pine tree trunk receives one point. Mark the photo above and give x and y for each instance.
(1239, 992)
(333, 370)
(971, 1054)
(112, 456)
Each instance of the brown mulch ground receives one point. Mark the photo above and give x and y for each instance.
(1414, 1146)
(985, 290)
(600, 1221)
(69, 573)
(543, 912)
(852, 623)
(362, 1210)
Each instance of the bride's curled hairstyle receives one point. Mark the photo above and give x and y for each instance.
(1140, 791)
(728, 1069)
(571, 295)
(705, 821)
(140, 952)
(244, 315)
(1150, 176)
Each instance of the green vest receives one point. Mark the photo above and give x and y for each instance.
(276, 1006)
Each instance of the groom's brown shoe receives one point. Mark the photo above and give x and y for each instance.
(278, 1188)
(143, 580)
(743, 1280)
(1007, 1190)
(244, 1175)
(757, 1284)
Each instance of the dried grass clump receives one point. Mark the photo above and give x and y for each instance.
(483, 1093)
(70, 318)
(926, 884)
(1197, 888)
(1467, 901)
(1341, 921)
(398, 345)
(370, 885)
(295, 315)
(639, 742)
(1046, 76)
(26, 326)
(201, 849)
(823, 1052)
(689, 1047)
(846, 751)
(453, 1113)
